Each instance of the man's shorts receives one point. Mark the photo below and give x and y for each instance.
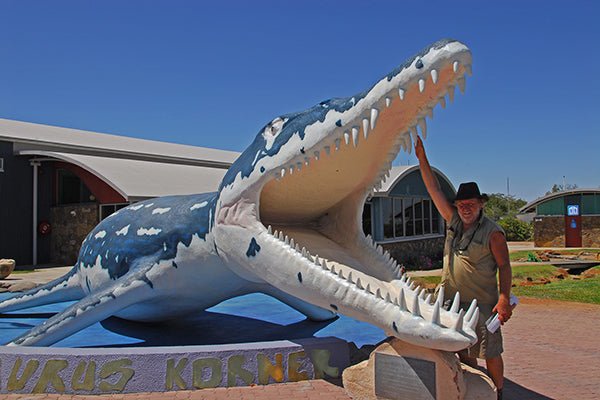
(489, 345)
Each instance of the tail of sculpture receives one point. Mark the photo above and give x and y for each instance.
(65, 288)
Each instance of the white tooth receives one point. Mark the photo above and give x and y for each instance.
(380, 249)
(355, 136)
(455, 66)
(434, 75)
(347, 137)
(365, 124)
(333, 269)
(455, 303)
(350, 277)
(337, 143)
(451, 93)
(430, 112)
(402, 300)
(471, 310)
(297, 248)
(469, 69)
(270, 230)
(317, 155)
(443, 101)
(327, 150)
(422, 294)
(291, 169)
(378, 293)
(462, 84)
(458, 325)
(299, 166)
(435, 317)
(474, 319)
(303, 251)
(359, 284)
(388, 102)
(423, 127)
(401, 93)
(413, 133)
(287, 239)
(282, 172)
(368, 289)
(324, 264)
(281, 235)
(374, 115)
(306, 161)
(317, 260)
(415, 307)
(368, 238)
(276, 233)
(412, 286)
(428, 298)
(421, 85)
(341, 274)
(292, 243)
(440, 297)
(388, 297)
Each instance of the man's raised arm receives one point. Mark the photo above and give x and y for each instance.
(431, 183)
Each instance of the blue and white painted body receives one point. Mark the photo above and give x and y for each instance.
(297, 191)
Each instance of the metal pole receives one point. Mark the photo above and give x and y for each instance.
(35, 164)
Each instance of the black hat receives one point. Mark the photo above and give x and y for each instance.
(470, 190)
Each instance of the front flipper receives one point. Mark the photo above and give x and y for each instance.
(65, 288)
(125, 291)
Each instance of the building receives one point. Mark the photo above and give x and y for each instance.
(56, 184)
(402, 218)
(568, 218)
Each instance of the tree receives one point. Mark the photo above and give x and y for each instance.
(502, 206)
(559, 188)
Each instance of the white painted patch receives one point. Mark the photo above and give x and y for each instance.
(198, 205)
(165, 246)
(135, 208)
(100, 235)
(149, 205)
(123, 231)
(148, 232)
(161, 210)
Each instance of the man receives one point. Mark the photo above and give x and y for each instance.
(474, 251)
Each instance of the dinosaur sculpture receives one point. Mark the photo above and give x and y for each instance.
(286, 221)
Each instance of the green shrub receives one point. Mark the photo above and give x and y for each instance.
(516, 230)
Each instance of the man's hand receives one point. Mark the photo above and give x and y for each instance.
(419, 149)
(504, 309)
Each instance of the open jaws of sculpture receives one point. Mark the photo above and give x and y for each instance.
(286, 221)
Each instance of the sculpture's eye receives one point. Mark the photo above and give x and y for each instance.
(274, 127)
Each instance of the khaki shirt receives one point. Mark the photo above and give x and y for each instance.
(469, 265)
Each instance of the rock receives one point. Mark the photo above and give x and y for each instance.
(452, 379)
(7, 266)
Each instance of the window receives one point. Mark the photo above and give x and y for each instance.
(1, 164)
(108, 209)
(387, 214)
(71, 190)
(398, 218)
(366, 218)
(405, 217)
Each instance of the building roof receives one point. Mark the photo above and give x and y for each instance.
(135, 168)
(531, 206)
(28, 136)
(397, 173)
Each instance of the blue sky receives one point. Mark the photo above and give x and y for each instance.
(212, 75)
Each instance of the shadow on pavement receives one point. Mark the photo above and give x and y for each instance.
(514, 391)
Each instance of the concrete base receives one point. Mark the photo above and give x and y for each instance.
(158, 369)
(451, 380)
